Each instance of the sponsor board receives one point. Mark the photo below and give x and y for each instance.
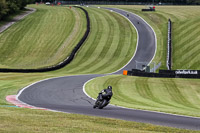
(186, 72)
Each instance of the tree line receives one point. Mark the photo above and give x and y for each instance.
(179, 2)
(8, 7)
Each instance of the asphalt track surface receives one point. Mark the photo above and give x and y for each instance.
(66, 93)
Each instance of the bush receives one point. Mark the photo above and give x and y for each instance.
(8, 7)
(3, 8)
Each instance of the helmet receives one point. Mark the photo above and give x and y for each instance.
(109, 87)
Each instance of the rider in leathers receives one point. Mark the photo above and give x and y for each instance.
(108, 93)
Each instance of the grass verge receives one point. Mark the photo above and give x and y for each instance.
(27, 120)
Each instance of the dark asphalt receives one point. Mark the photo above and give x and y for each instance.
(66, 93)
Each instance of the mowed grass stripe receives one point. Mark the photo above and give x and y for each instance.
(126, 40)
(182, 26)
(144, 91)
(190, 58)
(183, 47)
(176, 95)
(78, 30)
(190, 32)
(186, 52)
(110, 45)
(129, 96)
(98, 40)
(24, 29)
(179, 96)
(102, 46)
(86, 52)
(35, 40)
(56, 43)
(126, 49)
(150, 96)
(186, 48)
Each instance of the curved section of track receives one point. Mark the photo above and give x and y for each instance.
(66, 93)
(146, 47)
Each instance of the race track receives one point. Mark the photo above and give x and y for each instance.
(66, 93)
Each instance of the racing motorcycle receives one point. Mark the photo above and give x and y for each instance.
(102, 102)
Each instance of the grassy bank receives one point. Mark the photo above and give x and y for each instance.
(44, 38)
(177, 96)
(110, 45)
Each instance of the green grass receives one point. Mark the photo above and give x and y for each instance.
(110, 45)
(185, 35)
(187, 39)
(27, 120)
(44, 38)
(177, 96)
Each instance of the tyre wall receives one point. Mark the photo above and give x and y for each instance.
(169, 45)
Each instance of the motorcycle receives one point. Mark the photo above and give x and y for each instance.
(101, 102)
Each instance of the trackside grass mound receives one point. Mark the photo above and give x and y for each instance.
(43, 38)
(185, 34)
(177, 96)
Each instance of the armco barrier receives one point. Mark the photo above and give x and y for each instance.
(169, 46)
(62, 64)
(166, 73)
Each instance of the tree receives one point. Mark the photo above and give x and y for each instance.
(193, 1)
(3, 8)
(13, 6)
